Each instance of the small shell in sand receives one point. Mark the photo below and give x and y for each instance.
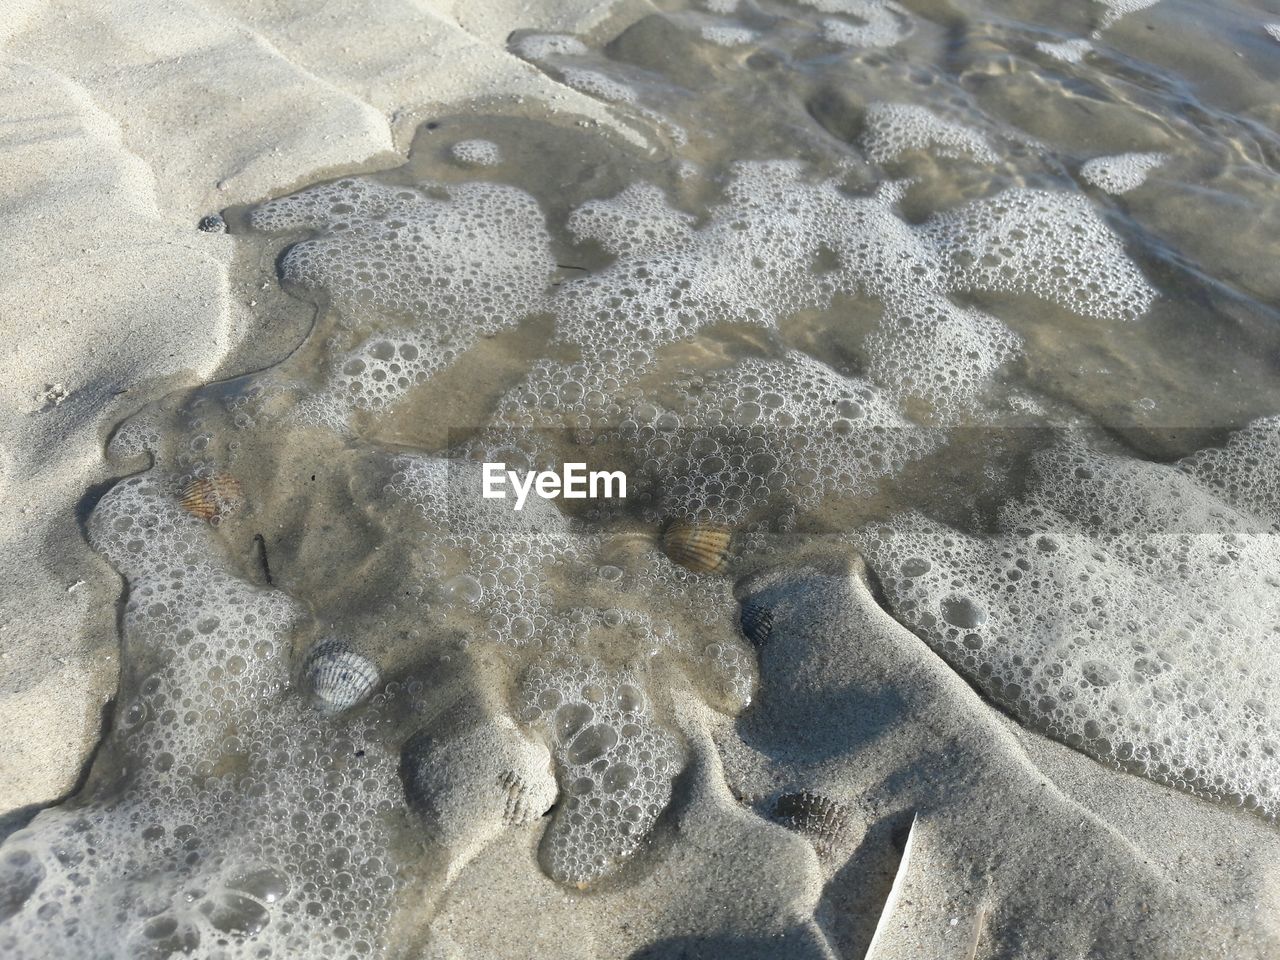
(338, 678)
(524, 803)
(468, 777)
(822, 820)
(700, 547)
(756, 621)
(212, 498)
(213, 223)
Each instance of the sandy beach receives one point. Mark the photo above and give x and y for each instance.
(939, 346)
(128, 124)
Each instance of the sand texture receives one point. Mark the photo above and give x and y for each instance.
(938, 344)
(126, 123)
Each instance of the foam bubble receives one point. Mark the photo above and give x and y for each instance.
(1044, 242)
(541, 46)
(940, 354)
(427, 271)
(1116, 9)
(476, 153)
(764, 428)
(239, 822)
(614, 763)
(882, 23)
(485, 559)
(896, 128)
(1121, 173)
(597, 84)
(1126, 607)
(749, 265)
(723, 36)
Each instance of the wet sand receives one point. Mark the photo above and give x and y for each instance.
(782, 776)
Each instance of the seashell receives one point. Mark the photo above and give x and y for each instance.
(700, 547)
(524, 805)
(338, 678)
(756, 622)
(212, 498)
(823, 821)
(468, 777)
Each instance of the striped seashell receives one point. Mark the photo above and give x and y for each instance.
(524, 805)
(700, 547)
(337, 677)
(822, 820)
(467, 777)
(756, 622)
(212, 498)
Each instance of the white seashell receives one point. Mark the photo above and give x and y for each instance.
(337, 677)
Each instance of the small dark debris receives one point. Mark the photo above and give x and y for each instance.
(259, 551)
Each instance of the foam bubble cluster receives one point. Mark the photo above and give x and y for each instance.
(615, 765)
(420, 273)
(1128, 608)
(597, 84)
(540, 46)
(724, 36)
(763, 428)
(1116, 9)
(755, 261)
(893, 129)
(248, 827)
(940, 354)
(750, 264)
(1044, 242)
(487, 558)
(532, 579)
(875, 23)
(476, 153)
(1121, 173)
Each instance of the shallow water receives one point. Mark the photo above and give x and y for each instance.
(906, 283)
